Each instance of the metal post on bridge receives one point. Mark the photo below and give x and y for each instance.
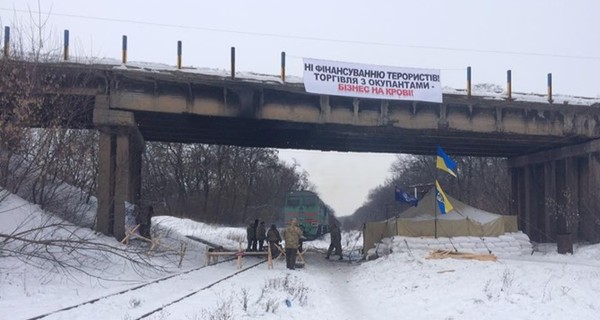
(66, 45)
(6, 42)
(509, 84)
(124, 50)
(179, 54)
(469, 81)
(283, 66)
(550, 88)
(232, 63)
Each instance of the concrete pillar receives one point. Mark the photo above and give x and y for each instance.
(122, 184)
(517, 201)
(119, 178)
(594, 187)
(537, 203)
(527, 199)
(577, 170)
(550, 181)
(514, 204)
(572, 176)
(106, 181)
(589, 194)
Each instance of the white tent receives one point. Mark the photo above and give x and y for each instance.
(422, 221)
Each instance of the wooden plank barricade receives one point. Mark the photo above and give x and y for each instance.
(300, 256)
(213, 256)
(155, 242)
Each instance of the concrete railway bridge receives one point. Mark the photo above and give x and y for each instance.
(550, 147)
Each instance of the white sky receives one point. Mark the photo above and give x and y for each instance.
(532, 38)
(402, 285)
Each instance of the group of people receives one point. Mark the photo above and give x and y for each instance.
(293, 235)
(256, 235)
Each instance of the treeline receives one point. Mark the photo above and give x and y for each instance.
(481, 182)
(219, 184)
(57, 169)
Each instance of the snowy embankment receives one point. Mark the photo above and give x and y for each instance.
(510, 244)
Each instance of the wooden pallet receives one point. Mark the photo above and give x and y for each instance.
(443, 254)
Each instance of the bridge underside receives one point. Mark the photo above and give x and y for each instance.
(337, 137)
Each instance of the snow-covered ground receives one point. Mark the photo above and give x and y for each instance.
(400, 285)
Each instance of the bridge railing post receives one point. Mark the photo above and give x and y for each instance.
(66, 45)
(469, 81)
(6, 42)
(509, 84)
(283, 66)
(232, 63)
(179, 54)
(550, 88)
(124, 50)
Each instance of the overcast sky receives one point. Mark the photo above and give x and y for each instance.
(532, 38)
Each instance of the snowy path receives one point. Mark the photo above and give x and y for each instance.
(331, 284)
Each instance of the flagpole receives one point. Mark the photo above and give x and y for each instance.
(435, 203)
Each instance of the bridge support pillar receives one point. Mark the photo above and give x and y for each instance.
(589, 197)
(106, 183)
(119, 177)
(566, 178)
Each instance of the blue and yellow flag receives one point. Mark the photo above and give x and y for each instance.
(445, 163)
(442, 200)
(405, 197)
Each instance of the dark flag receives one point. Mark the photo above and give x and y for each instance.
(405, 197)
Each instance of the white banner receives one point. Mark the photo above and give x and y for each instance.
(369, 81)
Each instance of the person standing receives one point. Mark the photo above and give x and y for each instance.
(149, 222)
(292, 235)
(250, 236)
(254, 241)
(336, 242)
(274, 238)
(261, 235)
(301, 241)
(144, 220)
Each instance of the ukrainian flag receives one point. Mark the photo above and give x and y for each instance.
(445, 163)
(442, 200)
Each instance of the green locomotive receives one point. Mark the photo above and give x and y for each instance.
(311, 212)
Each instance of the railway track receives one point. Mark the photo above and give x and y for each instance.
(191, 281)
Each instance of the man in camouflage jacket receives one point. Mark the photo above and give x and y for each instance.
(292, 235)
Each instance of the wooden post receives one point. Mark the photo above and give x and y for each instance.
(66, 45)
(239, 258)
(301, 256)
(128, 235)
(269, 258)
(182, 252)
(207, 259)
